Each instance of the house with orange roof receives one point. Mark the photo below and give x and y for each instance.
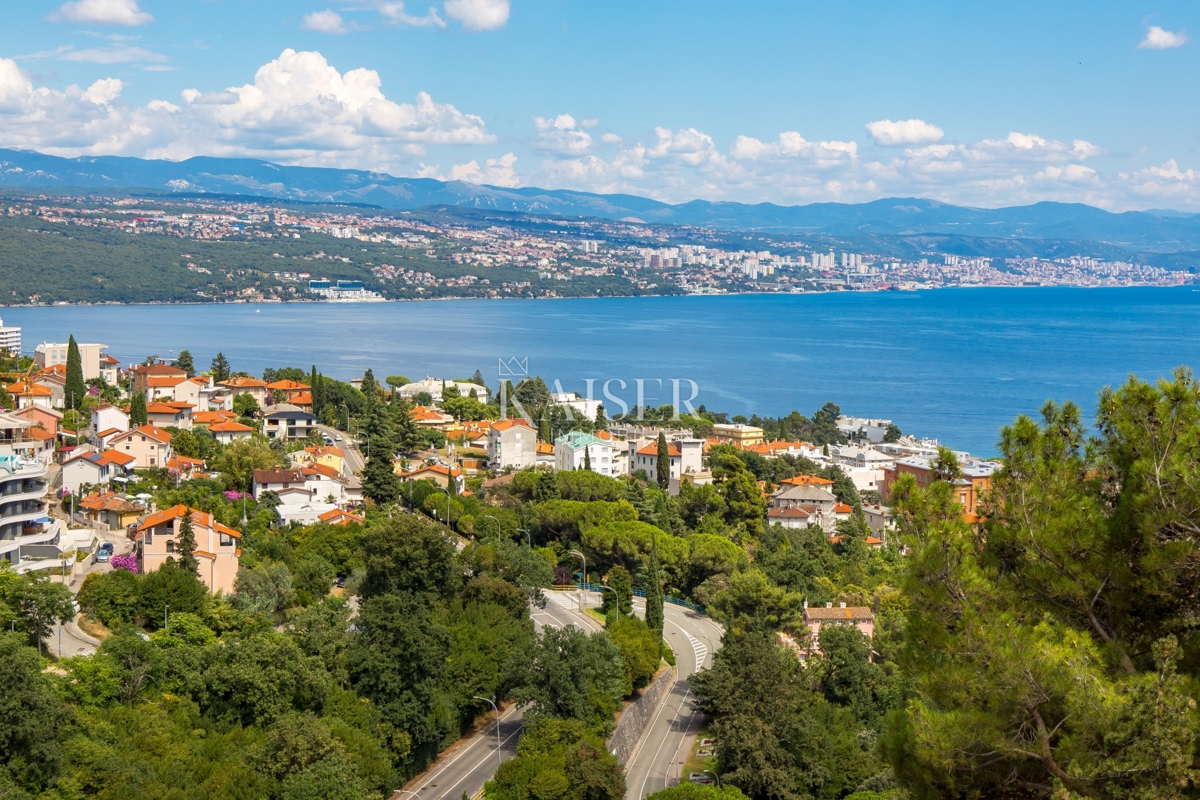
(110, 510)
(339, 517)
(512, 443)
(110, 370)
(57, 384)
(791, 517)
(815, 618)
(27, 393)
(545, 455)
(328, 456)
(438, 473)
(184, 466)
(106, 417)
(143, 372)
(44, 450)
(430, 417)
(162, 387)
(808, 480)
(254, 387)
(780, 448)
(48, 418)
(211, 417)
(149, 445)
(157, 537)
(172, 414)
(86, 466)
(302, 400)
(290, 390)
(230, 431)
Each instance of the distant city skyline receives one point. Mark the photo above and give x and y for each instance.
(986, 106)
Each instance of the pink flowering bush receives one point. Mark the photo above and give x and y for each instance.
(234, 495)
(125, 561)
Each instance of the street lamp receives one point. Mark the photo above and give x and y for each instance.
(493, 519)
(716, 777)
(528, 537)
(493, 702)
(584, 560)
(616, 595)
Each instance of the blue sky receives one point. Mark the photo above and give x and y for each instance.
(981, 104)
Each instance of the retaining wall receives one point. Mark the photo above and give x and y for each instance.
(634, 719)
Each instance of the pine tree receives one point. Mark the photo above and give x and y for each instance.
(219, 368)
(185, 363)
(75, 390)
(187, 545)
(380, 482)
(137, 410)
(663, 467)
(654, 595)
(405, 430)
(601, 421)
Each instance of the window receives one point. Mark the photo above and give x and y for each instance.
(226, 540)
(170, 545)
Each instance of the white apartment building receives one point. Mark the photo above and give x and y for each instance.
(512, 443)
(584, 407)
(26, 530)
(10, 338)
(48, 354)
(577, 450)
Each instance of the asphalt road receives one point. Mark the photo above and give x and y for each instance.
(468, 765)
(659, 756)
(354, 459)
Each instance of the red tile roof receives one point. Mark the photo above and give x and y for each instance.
(199, 518)
(652, 450)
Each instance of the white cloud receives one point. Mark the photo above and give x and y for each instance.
(394, 14)
(115, 55)
(610, 138)
(496, 171)
(1159, 39)
(561, 135)
(479, 15)
(903, 133)
(299, 109)
(102, 12)
(326, 21)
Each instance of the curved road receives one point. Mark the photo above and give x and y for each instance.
(658, 757)
(468, 765)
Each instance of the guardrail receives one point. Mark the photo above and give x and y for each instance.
(675, 601)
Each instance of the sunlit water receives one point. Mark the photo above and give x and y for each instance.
(952, 364)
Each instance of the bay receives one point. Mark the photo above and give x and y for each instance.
(953, 364)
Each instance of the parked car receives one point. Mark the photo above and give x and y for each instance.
(105, 552)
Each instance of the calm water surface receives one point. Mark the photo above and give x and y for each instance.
(952, 364)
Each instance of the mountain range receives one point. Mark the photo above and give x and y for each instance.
(1148, 231)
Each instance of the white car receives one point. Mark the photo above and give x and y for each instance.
(337, 438)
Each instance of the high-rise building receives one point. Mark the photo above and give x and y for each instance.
(26, 531)
(10, 338)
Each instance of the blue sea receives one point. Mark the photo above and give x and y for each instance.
(953, 364)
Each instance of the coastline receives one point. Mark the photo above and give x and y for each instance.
(93, 304)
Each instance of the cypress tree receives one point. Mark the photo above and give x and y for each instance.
(654, 595)
(75, 390)
(587, 459)
(380, 482)
(314, 388)
(137, 410)
(601, 421)
(187, 545)
(663, 467)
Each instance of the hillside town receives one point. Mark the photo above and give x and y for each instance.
(344, 255)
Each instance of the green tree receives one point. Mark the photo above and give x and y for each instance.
(1071, 592)
(137, 410)
(662, 463)
(264, 588)
(75, 391)
(380, 481)
(654, 591)
(408, 554)
(219, 368)
(185, 363)
(621, 582)
(601, 420)
(31, 718)
(892, 434)
(574, 675)
(40, 603)
(245, 406)
(169, 587)
(187, 544)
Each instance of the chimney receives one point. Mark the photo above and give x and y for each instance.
(153, 507)
(829, 605)
(843, 605)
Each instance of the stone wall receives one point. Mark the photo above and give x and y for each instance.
(634, 719)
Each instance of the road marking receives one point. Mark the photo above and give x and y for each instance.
(478, 765)
(678, 711)
(479, 739)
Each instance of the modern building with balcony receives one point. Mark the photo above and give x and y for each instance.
(27, 533)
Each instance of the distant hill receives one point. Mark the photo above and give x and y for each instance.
(1156, 231)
